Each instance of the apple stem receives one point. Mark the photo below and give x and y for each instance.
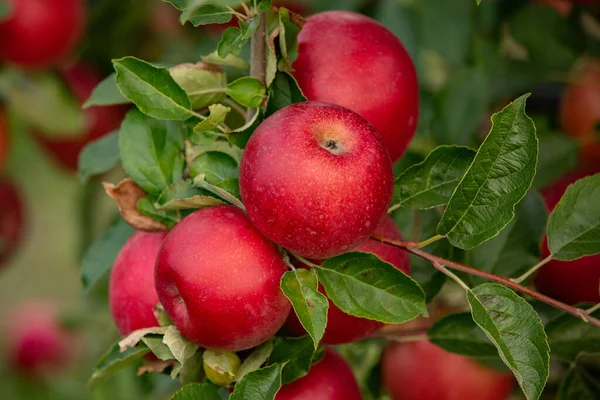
(305, 261)
(593, 309)
(532, 270)
(258, 60)
(429, 241)
(411, 248)
(449, 273)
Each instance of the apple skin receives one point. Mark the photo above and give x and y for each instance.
(39, 33)
(574, 281)
(329, 379)
(218, 280)
(344, 328)
(36, 343)
(131, 291)
(348, 59)
(314, 200)
(423, 371)
(11, 219)
(579, 112)
(81, 79)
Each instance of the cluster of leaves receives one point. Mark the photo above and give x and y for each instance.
(181, 145)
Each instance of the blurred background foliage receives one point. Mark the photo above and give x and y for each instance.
(471, 61)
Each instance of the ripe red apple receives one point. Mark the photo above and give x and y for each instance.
(81, 80)
(580, 112)
(423, 371)
(316, 179)
(4, 139)
(218, 279)
(568, 281)
(329, 379)
(36, 343)
(344, 328)
(131, 291)
(38, 33)
(351, 60)
(11, 219)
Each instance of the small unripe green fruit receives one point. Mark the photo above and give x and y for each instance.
(221, 367)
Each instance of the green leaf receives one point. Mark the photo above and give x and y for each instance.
(296, 353)
(283, 92)
(261, 384)
(239, 137)
(570, 336)
(99, 156)
(181, 348)
(217, 115)
(6, 10)
(301, 288)
(205, 13)
(99, 258)
(197, 391)
(183, 196)
(159, 349)
(151, 151)
(193, 370)
(38, 100)
(215, 165)
(483, 202)
(204, 85)
(152, 89)
(227, 190)
(146, 206)
(230, 60)
(579, 384)
(288, 43)
(458, 333)
(516, 331)
(257, 358)
(574, 225)
(234, 39)
(431, 183)
(247, 91)
(559, 154)
(106, 93)
(113, 361)
(362, 285)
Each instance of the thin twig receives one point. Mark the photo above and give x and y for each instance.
(411, 248)
(448, 273)
(532, 270)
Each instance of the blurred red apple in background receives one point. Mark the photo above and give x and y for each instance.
(11, 219)
(4, 139)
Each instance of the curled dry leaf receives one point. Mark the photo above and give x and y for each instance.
(127, 193)
(134, 337)
(157, 366)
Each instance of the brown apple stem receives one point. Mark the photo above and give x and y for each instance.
(411, 248)
(258, 59)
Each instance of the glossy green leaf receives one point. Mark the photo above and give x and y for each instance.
(234, 39)
(254, 361)
(106, 93)
(362, 285)
(151, 151)
(247, 91)
(113, 361)
(283, 92)
(218, 113)
(517, 332)
(579, 384)
(432, 182)
(152, 89)
(183, 196)
(197, 391)
(99, 156)
(483, 202)
(215, 165)
(99, 258)
(574, 225)
(301, 288)
(458, 333)
(204, 85)
(570, 336)
(261, 384)
(297, 353)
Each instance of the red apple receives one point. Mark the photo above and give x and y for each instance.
(580, 112)
(38, 33)
(568, 281)
(423, 371)
(81, 80)
(131, 291)
(316, 179)
(36, 343)
(4, 139)
(11, 219)
(344, 328)
(351, 60)
(218, 279)
(329, 379)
